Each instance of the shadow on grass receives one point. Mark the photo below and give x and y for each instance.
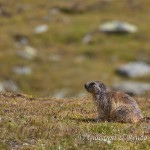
(93, 120)
(87, 120)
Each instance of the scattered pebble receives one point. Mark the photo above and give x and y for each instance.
(54, 11)
(8, 85)
(2, 88)
(41, 29)
(28, 53)
(87, 39)
(22, 39)
(22, 70)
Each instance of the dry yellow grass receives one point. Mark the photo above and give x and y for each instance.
(48, 123)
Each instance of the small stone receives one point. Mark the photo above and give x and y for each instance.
(132, 88)
(22, 70)
(55, 11)
(11, 85)
(118, 27)
(2, 88)
(135, 69)
(8, 85)
(60, 93)
(87, 39)
(21, 39)
(28, 53)
(41, 29)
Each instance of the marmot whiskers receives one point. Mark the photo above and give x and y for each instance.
(112, 105)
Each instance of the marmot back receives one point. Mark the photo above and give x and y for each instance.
(112, 105)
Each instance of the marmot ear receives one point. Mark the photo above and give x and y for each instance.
(102, 86)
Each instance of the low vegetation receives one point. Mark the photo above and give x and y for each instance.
(27, 122)
(64, 63)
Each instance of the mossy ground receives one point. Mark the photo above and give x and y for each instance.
(49, 123)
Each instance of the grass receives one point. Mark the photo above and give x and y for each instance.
(64, 38)
(27, 122)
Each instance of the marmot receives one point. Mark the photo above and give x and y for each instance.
(112, 105)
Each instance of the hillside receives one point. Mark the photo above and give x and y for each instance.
(42, 52)
(27, 122)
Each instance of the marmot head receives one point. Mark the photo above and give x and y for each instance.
(95, 87)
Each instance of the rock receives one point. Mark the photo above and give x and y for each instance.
(10, 85)
(54, 11)
(2, 88)
(41, 29)
(21, 39)
(135, 69)
(87, 39)
(7, 86)
(28, 53)
(132, 88)
(22, 70)
(60, 93)
(118, 27)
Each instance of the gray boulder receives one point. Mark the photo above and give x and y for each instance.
(132, 88)
(118, 27)
(135, 69)
(22, 70)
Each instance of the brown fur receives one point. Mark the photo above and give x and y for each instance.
(112, 105)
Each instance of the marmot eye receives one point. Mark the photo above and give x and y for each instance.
(92, 83)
